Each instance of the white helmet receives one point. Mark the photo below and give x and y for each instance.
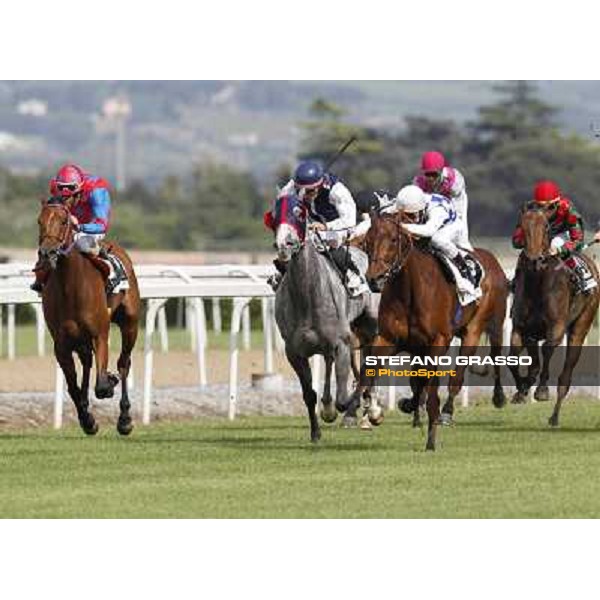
(411, 199)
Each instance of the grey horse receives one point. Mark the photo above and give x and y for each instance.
(314, 314)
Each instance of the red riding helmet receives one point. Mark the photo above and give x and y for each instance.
(546, 192)
(68, 181)
(432, 162)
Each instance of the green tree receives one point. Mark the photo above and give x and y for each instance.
(519, 114)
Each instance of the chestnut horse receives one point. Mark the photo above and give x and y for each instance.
(546, 308)
(78, 315)
(419, 311)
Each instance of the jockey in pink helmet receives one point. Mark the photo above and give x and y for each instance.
(436, 177)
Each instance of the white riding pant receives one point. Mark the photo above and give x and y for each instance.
(447, 238)
(88, 243)
(461, 203)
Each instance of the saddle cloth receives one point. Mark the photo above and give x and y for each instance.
(465, 290)
(113, 272)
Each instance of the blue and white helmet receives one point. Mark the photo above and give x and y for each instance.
(309, 174)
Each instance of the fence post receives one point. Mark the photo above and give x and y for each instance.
(41, 329)
(153, 307)
(59, 397)
(10, 326)
(239, 305)
(267, 323)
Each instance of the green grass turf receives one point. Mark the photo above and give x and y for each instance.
(491, 464)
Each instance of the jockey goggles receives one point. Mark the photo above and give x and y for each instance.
(73, 188)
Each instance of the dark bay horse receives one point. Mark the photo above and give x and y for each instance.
(78, 315)
(545, 308)
(419, 310)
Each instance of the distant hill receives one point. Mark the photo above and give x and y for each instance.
(249, 124)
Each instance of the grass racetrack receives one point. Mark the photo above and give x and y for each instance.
(491, 464)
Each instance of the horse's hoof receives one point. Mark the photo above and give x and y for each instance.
(553, 421)
(327, 415)
(340, 407)
(315, 436)
(407, 405)
(365, 424)
(377, 419)
(446, 419)
(89, 427)
(499, 399)
(542, 394)
(519, 398)
(349, 422)
(125, 426)
(103, 392)
(430, 447)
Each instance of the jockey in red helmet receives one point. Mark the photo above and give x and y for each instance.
(437, 177)
(88, 199)
(566, 231)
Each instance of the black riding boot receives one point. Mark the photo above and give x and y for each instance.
(463, 268)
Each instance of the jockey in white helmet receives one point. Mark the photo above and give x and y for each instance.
(434, 216)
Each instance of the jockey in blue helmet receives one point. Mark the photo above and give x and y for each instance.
(332, 212)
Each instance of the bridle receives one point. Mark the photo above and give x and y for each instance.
(400, 257)
(541, 261)
(63, 237)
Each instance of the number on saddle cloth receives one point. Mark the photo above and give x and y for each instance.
(112, 269)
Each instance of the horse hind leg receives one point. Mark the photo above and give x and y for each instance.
(129, 331)
(67, 364)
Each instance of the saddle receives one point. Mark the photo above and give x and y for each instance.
(111, 268)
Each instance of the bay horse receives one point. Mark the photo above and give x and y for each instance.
(545, 308)
(78, 314)
(420, 312)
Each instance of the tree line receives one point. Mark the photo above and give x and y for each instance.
(502, 151)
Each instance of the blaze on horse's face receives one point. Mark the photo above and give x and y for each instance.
(383, 246)
(290, 226)
(534, 223)
(54, 223)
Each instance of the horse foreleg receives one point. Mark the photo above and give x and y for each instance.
(554, 338)
(105, 383)
(439, 348)
(516, 348)
(575, 343)
(328, 412)
(301, 366)
(64, 357)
